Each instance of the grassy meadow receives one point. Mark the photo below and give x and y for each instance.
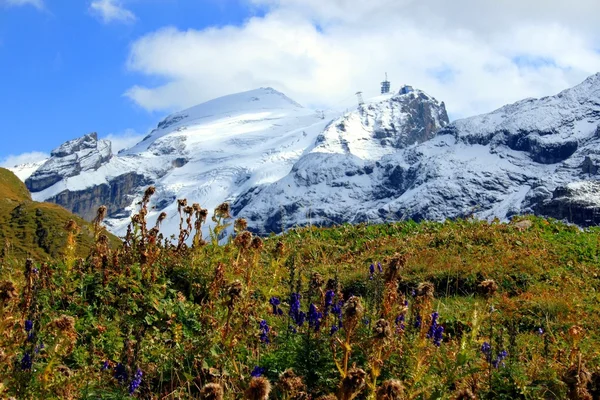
(457, 310)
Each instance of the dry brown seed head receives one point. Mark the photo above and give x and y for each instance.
(353, 308)
(148, 193)
(240, 225)
(576, 332)
(257, 243)
(390, 390)
(243, 240)
(425, 290)
(488, 287)
(382, 330)
(464, 394)
(353, 382)
(65, 323)
(181, 203)
(211, 391)
(8, 291)
(162, 216)
(290, 384)
(259, 389)
(223, 211)
(235, 290)
(316, 281)
(196, 207)
(188, 210)
(71, 226)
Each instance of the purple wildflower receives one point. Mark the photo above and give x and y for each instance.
(121, 373)
(418, 321)
(295, 312)
(540, 331)
(371, 271)
(329, 296)
(28, 325)
(486, 349)
(26, 362)
(136, 382)
(264, 332)
(379, 267)
(275, 302)
(257, 371)
(104, 366)
(334, 329)
(314, 317)
(400, 326)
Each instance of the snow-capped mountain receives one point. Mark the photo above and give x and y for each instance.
(395, 157)
(531, 156)
(208, 154)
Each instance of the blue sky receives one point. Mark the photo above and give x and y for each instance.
(63, 68)
(70, 67)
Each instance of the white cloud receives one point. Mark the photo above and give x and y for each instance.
(111, 10)
(124, 140)
(475, 55)
(25, 158)
(39, 4)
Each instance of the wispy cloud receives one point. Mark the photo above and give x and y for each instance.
(25, 158)
(124, 140)
(111, 11)
(39, 4)
(468, 53)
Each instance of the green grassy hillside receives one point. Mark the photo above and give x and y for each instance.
(32, 229)
(457, 310)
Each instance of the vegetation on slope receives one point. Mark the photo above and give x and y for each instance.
(455, 310)
(32, 229)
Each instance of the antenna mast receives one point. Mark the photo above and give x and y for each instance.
(360, 98)
(385, 85)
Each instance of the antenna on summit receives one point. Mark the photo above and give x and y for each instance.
(360, 98)
(385, 85)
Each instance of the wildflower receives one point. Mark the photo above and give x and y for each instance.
(121, 373)
(498, 362)
(28, 325)
(314, 317)
(257, 371)
(297, 316)
(418, 321)
(259, 389)
(540, 331)
(136, 382)
(438, 336)
(38, 348)
(390, 390)
(334, 329)
(486, 349)
(264, 332)
(371, 271)
(211, 391)
(379, 268)
(400, 319)
(337, 309)
(275, 302)
(329, 296)
(26, 362)
(366, 321)
(104, 366)
(353, 383)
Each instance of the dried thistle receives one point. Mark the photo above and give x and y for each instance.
(316, 281)
(211, 391)
(279, 248)
(576, 332)
(488, 288)
(240, 225)
(396, 264)
(71, 226)
(243, 240)
(64, 323)
(259, 389)
(382, 330)
(257, 243)
(464, 394)
(352, 384)
(390, 390)
(181, 203)
(425, 290)
(234, 291)
(290, 384)
(161, 217)
(8, 291)
(223, 211)
(577, 378)
(353, 309)
(100, 214)
(148, 193)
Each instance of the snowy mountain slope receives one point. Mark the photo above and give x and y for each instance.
(207, 154)
(514, 160)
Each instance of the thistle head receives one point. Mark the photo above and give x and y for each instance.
(243, 240)
(240, 225)
(8, 291)
(223, 210)
(390, 390)
(396, 264)
(148, 193)
(101, 214)
(316, 281)
(488, 288)
(211, 391)
(290, 384)
(235, 290)
(353, 309)
(259, 389)
(71, 226)
(161, 217)
(425, 290)
(382, 330)
(353, 383)
(257, 243)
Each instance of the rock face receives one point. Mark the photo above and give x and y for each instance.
(577, 202)
(507, 162)
(117, 195)
(70, 159)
